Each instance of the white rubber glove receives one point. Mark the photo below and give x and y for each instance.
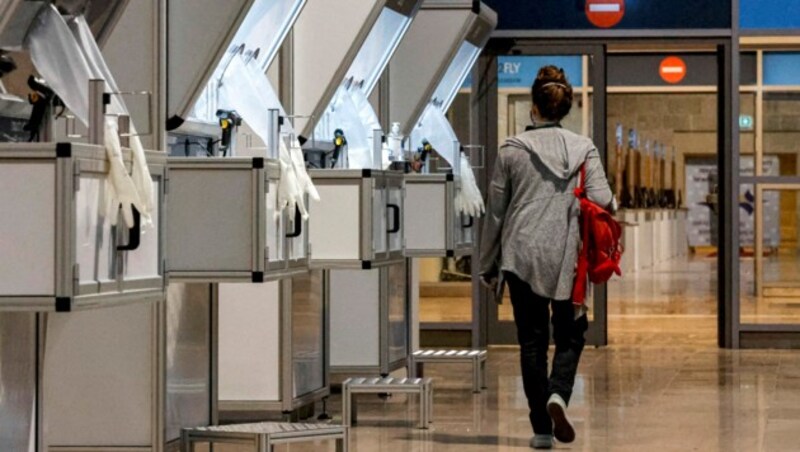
(299, 163)
(469, 200)
(290, 194)
(122, 190)
(142, 180)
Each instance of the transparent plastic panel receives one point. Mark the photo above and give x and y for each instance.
(308, 333)
(379, 220)
(351, 111)
(394, 216)
(94, 235)
(464, 229)
(18, 381)
(188, 346)
(398, 313)
(244, 65)
(378, 49)
(456, 74)
(265, 28)
(434, 127)
(145, 261)
(275, 225)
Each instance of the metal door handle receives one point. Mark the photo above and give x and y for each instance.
(470, 222)
(396, 223)
(134, 233)
(298, 225)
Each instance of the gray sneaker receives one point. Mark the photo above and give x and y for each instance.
(562, 427)
(542, 442)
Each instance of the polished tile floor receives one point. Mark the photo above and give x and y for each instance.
(661, 385)
(663, 397)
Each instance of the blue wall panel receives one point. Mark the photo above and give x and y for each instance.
(769, 14)
(781, 68)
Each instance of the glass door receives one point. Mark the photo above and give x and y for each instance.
(585, 69)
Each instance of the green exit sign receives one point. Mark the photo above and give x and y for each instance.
(746, 122)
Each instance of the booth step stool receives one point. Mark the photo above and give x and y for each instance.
(263, 436)
(420, 386)
(475, 357)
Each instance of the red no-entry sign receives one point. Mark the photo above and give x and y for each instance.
(605, 13)
(672, 69)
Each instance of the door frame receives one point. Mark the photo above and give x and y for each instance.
(484, 129)
(503, 332)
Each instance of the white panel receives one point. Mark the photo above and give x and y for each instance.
(98, 370)
(433, 37)
(93, 241)
(425, 218)
(27, 229)
(199, 31)
(249, 342)
(335, 227)
(132, 55)
(355, 317)
(323, 35)
(210, 220)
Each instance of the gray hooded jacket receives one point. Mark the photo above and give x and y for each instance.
(531, 227)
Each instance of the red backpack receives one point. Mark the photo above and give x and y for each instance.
(601, 250)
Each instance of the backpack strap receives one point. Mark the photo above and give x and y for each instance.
(580, 190)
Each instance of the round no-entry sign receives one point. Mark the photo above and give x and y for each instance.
(672, 69)
(605, 13)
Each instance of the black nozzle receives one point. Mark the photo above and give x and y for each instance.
(7, 64)
(339, 142)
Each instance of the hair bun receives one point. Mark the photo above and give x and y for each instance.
(552, 93)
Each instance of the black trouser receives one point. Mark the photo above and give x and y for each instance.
(532, 316)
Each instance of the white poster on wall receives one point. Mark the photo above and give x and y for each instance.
(700, 179)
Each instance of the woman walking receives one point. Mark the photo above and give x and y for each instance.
(530, 242)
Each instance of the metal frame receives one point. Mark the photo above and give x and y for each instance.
(367, 181)
(727, 50)
(157, 384)
(261, 439)
(262, 176)
(385, 366)
(70, 160)
(287, 404)
(498, 331)
(453, 247)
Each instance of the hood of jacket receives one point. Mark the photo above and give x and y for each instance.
(561, 151)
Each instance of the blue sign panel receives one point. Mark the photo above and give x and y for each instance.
(769, 14)
(781, 68)
(519, 71)
(638, 14)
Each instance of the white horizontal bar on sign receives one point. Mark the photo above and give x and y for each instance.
(672, 70)
(604, 8)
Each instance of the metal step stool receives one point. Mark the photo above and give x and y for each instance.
(476, 357)
(263, 436)
(421, 386)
